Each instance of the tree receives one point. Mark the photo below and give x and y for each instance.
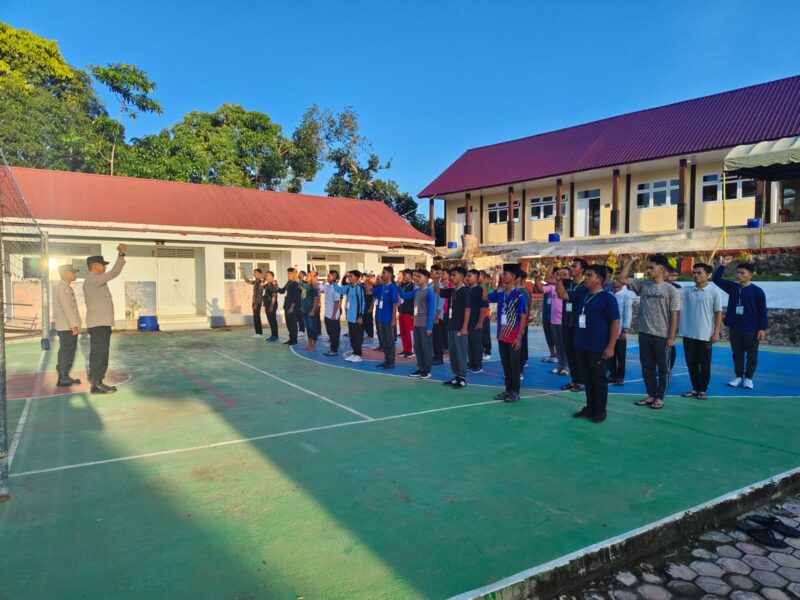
(132, 88)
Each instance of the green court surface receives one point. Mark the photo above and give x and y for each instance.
(228, 468)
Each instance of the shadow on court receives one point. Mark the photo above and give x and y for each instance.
(231, 468)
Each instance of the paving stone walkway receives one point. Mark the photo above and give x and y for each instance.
(725, 563)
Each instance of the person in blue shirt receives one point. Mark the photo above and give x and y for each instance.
(354, 292)
(386, 297)
(746, 319)
(596, 331)
(425, 302)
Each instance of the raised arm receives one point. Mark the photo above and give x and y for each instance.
(718, 277)
(626, 269)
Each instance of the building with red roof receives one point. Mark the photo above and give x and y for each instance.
(187, 243)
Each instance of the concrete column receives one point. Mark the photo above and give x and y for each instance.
(117, 285)
(510, 231)
(559, 221)
(213, 270)
(615, 202)
(468, 214)
(682, 193)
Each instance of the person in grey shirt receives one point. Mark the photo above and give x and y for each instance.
(100, 316)
(68, 323)
(659, 307)
(700, 324)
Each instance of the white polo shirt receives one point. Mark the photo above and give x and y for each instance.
(331, 296)
(699, 308)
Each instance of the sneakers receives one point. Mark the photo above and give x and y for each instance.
(356, 358)
(329, 353)
(487, 357)
(689, 394)
(735, 382)
(748, 384)
(583, 413)
(474, 371)
(459, 383)
(550, 359)
(598, 418)
(272, 338)
(407, 354)
(567, 386)
(577, 387)
(554, 371)
(451, 382)
(502, 395)
(512, 397)
(425, 376)
(564, 372)
(257, 336)
(415, 374)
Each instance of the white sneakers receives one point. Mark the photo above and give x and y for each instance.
(487, 357)
(744, 382)
(748, 384)
(354, 358)
(256, 336)
(735, 382)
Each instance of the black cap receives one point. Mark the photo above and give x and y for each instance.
(95, 259)
(511, 268)
(522, 274)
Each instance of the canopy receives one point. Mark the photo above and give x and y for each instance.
(772, 160)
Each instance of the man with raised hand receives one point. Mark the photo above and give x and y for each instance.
(746, 319)
(291, 305)
(512, 318)
(256, 301)
(596, 332)
(459, 313)
(700, 323)
(333, 302)
(659, 308)
(386, 299)
(100, 316)
(353, 292)
(271, 304)
(68, 323)
(576, 268)
(425, 301)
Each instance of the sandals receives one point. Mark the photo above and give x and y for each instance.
(762, 535)
(645, 401)
(775, 524)
(657, 404)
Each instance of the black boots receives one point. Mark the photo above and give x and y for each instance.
(64, 380)
(98, 387)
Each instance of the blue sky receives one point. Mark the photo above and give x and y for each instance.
(428, 79)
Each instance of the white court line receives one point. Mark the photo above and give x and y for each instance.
(609, 542)
(23, 418)
(250, 439)
(295, 386)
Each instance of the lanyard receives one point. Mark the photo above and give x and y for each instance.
(586, 300)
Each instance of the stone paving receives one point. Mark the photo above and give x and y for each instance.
(725, 563)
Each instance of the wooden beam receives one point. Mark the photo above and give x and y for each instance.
(468, 214)
(559, 223)
(510, 230)
(522, 220)
(432, 219)
(615, 202)
(768, 202)
(481, 220)
(692, 195)
(572, 209)
(682, 193)
(759, 203)
(628, 203)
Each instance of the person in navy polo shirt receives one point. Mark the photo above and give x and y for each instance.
(596, 315)
(386, 298)
(746, 319)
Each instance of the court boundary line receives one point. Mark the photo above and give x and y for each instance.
(23, 418)
(251, 439)
(606, 544)
(295, 386)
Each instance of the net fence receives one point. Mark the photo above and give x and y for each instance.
(24, 290)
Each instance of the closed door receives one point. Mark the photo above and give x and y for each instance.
(177, 292)
(594, 216)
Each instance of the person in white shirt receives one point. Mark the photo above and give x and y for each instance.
(700, 323)
(333, 304)
(616, 366)
(68, 323)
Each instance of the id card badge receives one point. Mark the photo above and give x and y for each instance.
(568, 306)
(450, 311)
(548, 300)
(740, 310)
(380, 305)
(502, 318)
(582, 321)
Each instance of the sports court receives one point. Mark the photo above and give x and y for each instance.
(226, 467)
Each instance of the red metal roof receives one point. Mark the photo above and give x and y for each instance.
(67, 196)
(761, 112)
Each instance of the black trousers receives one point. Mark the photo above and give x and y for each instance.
(301, 324)
(334, 329)
(272, 319)
(257, 319)
(548, 336)
(99, 344)
(67, 345)
(487, 336)
(524, 348)
(369, 324)
(654, 357)
(445, 320)
(356, 332)
(568, 335)
(744, 343)
(698, 360)
(593, 373)
(386, 338)
(439, 340)
(616, 366)
(292, 323)
(673, 355)
(475, 349)
(512, 366)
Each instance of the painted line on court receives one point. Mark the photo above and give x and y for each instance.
(295, 386)
(491, 589)
(197, 380)
(247, 440)
(23, 418)
(128, 379)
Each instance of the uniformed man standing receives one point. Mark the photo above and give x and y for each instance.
(68, 323)
(100, 316)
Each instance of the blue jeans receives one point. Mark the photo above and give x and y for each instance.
(312, 331)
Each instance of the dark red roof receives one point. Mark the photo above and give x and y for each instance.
(67, 196)
(761, 112)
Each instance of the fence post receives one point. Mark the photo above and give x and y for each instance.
(45, 264)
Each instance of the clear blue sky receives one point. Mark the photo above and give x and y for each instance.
(428, 79)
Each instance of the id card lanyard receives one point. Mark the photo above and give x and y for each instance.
(739, 307)
(504, 313)
(567, 303)
(582, 316)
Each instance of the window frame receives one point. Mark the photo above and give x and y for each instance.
(739, 181)
(650, 188)
(499, 207)
(541, 202)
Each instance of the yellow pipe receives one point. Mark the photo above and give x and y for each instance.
(724, 223)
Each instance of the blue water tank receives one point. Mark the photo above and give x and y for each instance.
(754, 223)
(554, 237)
(147, 324)
(452, 244)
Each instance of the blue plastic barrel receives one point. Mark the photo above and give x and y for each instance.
(147, 324)
(452, 244)
(554, 237)
(754, 223)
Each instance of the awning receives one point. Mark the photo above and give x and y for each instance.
(772, 160)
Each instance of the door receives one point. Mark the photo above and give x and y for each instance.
(176, 286)
(594, 216)
(788, 208)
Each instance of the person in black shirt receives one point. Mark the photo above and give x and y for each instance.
(476, 305)
(368, 281)
(405, 315)
(672, 279)
(271, 304)
(291, 305)
(568, 324)
(459, 313)
(258, 298)
(484, 281)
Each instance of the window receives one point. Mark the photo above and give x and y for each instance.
(252, 260)
(662, 192)
(230, 271)
(498, 212)
(736, 188)
(544, 207)
(31, 267)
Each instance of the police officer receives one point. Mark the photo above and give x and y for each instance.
(100, 316)
(68, 323)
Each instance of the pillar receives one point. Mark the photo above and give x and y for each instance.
(468, 214)
(559, 223)
(431, 219)
(615, 202)
(510, 231)
(682, 193)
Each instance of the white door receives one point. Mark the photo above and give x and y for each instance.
(581, 217)
(176, 288)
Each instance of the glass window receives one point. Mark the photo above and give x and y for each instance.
(735, 188)
(659, 198)
(248, 269)
(544, 207)
(748, 188)
(498, 212)
(657, 193)
(230, 271)
(710, 187)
